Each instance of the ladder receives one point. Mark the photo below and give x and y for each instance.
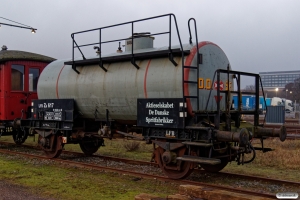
(195, 68)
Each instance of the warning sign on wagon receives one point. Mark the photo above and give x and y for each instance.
(221, 85)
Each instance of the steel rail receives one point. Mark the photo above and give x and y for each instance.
(139, 162)
(141, 175)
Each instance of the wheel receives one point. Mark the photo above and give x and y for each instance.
(20, 135)
(215, 168)
(174, 170)
(90, 146)
(52, 145)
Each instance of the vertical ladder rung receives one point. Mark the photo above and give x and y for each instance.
(190, 82)
(190, 67)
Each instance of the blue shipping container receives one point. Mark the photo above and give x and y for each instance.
(248, 102)
(263, 104)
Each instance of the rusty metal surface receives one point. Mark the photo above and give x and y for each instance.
(51, 145)
(271, 132)
(199, 144)
(174, 170)
(201, 160)
(242, 137)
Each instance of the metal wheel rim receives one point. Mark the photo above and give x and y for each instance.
(174, 174)
(58, 147)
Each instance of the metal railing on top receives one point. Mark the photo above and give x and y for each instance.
(75, 44)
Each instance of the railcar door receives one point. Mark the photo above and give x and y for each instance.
(16, 101)
(2, 111)
(23, 89)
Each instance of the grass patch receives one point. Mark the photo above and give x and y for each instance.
(132, 145)
(74, 183)
(282, 163)
(52, 180)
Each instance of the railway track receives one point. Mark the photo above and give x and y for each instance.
(136, 162)
(138, 174)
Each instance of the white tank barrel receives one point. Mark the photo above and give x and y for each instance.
(117, 90)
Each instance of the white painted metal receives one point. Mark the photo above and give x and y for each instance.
(118, 89)
(144, 41)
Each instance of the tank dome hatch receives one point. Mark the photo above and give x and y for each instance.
(140, 41)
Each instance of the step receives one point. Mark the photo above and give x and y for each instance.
(200, 144)
(201, 160)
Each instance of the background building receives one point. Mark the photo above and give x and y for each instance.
(279, 79)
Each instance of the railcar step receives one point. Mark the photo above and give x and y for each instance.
(201, 144)
(201, 160)
(263, 149)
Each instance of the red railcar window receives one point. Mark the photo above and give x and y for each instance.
(33, 79)
(17, 77)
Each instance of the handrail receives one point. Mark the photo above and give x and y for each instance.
(75, 45)
(262, 89)
(238, 73)
(190, 40)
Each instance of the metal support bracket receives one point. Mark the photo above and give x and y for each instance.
(171, 58)
(74, 68)
(101, 65)
(133, 62)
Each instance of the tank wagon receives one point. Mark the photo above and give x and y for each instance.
(178, 97)
(19, 73)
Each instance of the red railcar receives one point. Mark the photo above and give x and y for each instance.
(19, 73)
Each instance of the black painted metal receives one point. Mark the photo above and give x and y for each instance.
(217, 122)
(76, 46)
(262, 89)
(238, 112)
(57, 114)
(25, 27)
(192, 67)
(127, 57)
(162, 113)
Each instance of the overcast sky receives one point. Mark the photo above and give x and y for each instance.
(256, 35)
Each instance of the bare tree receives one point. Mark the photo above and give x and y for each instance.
(293, 90)
(249, 88)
